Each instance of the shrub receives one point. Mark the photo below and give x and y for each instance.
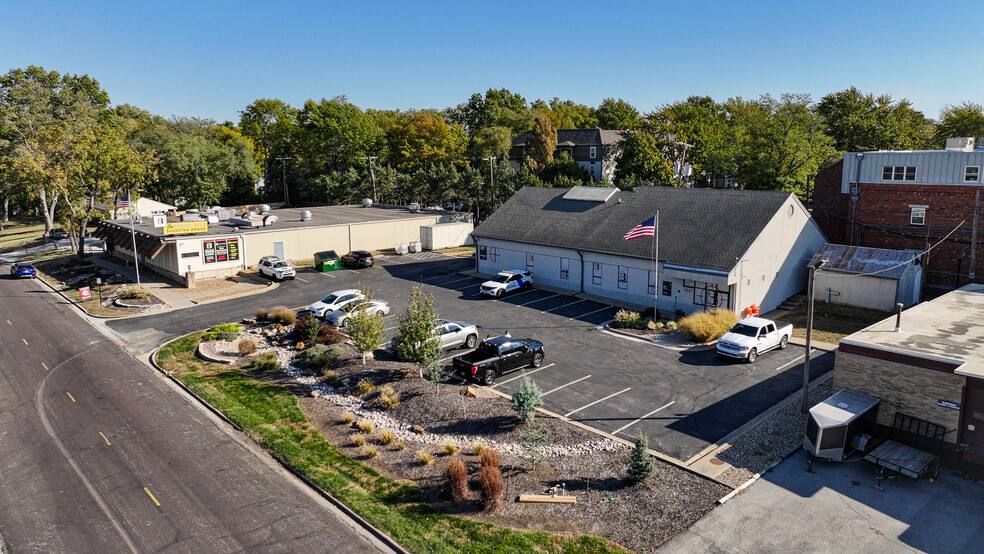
(306, 328)
(388, 398)
(707, 326)
(328, 335)
(282, 315)
(386, 437)
(247, 346)
(477, 448)
(449, 449)
(401, 446)
(489, 457)
(216, 333)
(228, 336)
(365, 386)
(366, 427)
(261, 314)
(370, 453)
(266, 362)
(659, 325)
(457, 478)
(650, 313)
(490, 481)
(348, 419)
(424, 459)
(316, 357)
(526, 400)
(626, 319)
(132, 292)
(331, 377)
(671, 325)
(641, 466)
(358, 440)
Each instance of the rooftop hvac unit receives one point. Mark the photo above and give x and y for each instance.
(137, 218)
(960, 144)
(366, 202)
(305, 215)
(414, 208)
(269, 220)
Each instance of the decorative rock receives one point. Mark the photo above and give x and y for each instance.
(299, 346)
(470, 393)
(249, 321)
(418, 429)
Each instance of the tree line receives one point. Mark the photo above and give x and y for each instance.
(64, 147)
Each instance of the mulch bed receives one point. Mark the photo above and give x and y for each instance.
(639, 517)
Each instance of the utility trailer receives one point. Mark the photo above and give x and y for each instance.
(911, 448)
(841, 425)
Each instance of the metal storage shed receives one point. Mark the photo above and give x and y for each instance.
(446, 235)
(841, 424)
(874, 278)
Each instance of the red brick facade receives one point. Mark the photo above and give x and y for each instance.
(881, 219)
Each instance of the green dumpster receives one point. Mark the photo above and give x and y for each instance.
(326, 261)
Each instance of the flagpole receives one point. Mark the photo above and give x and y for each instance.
(656, 269)
(133, 238)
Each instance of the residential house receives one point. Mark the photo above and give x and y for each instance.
(716, 248)
(592, 149)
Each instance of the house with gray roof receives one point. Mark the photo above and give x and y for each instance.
(716, 248)
(592, 149)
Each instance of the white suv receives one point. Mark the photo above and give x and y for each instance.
(275, 268)
(507, 281)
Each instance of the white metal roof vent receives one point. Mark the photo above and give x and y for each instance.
(960, 144)
(366, 202)
(305, 215)
(191, 211)
(264, 208)
(269, 220)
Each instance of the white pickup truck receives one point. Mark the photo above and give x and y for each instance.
(753, 336)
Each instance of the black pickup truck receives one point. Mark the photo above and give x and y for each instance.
(496, 356)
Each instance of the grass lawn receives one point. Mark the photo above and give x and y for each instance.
(270, 415)
(19, 235)
(832, 322)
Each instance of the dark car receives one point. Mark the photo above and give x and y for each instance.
(496, 356)
(57, 234)
(358, 258)
(22, 269)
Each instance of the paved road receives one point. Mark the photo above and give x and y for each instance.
(683, 401)
(101, 454)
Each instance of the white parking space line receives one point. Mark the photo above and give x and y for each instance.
(566, 385)
(538, 299)
(303, 280)
(457, 281)
(568, 414)
(796, 361)
(589, 313)
(446, 358)
(521, 376)
(564, 306)
(624, 427)
(391, 328)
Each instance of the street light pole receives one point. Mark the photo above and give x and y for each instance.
(286, 197)
(491, 179)
(809, 329)
(372, 175)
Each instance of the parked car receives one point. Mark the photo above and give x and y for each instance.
(454, 334)
(23, 269)
(275, 268)
(57, 234)
(340, 317)
(358, 259)
(497, 356)
(507, 281)
(752, 336)
(334, 301)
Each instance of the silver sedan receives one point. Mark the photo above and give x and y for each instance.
(453, 334)
(340, 317)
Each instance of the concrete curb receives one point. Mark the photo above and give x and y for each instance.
(368, 527)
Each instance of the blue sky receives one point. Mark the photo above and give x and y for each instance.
(211, 59)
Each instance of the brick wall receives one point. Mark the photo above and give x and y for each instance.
(902, 388)
(831, 209)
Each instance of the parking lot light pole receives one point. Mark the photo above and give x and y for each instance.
(809, 329)
(286, 197)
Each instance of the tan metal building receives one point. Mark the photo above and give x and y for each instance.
(190, 251)
(874, 278)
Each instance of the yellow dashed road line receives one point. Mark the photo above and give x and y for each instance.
(156, 503)
(105, 439)
(70, 396)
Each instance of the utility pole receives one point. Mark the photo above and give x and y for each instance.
(491, 179)
(682, 168)
(372, 175)
(286, 197)
(809, 330)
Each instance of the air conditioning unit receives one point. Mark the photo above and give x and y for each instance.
(960, 144)
(366, 202)
(414, 208)
(305, 215)
(137, 219)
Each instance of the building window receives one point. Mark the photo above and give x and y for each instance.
(565, 271)
(667, 288)
(623, 277)
(899, 173)
(529, 262)
(593, 151)
(596, 273)
(483, 252)
(917, 215)
(972, 173)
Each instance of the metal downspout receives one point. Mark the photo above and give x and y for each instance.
(581, 279)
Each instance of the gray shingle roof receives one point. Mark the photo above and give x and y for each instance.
(702, 228)
(577, 137)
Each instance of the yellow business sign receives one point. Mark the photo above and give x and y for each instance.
(180, 227)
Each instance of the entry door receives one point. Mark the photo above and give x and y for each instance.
(973, 417)
(278, 250)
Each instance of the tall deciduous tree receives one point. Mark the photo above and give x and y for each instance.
(566, 114)
(861, 121)
(271, 125)
(642, 156)
(617, 114)
(541, 143)
(965, 120)
(416, 337)
(424, 140)
(703, 124)
(335, 134)
(497, 108)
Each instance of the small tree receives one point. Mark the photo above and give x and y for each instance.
(641, 466)
(526, 400)
(366, 330)
(534, 438)
(435, 373)
(416, 337)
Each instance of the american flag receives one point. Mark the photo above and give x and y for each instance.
(645, 229)
(123, 201)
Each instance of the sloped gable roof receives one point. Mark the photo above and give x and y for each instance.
(878, 262)
(577, 137)
(700, 228)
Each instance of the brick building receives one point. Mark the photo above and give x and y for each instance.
(909, 200)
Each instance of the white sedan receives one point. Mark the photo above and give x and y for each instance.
(340, 317)
(335, 301)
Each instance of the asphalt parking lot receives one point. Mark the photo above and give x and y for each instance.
(683, 401)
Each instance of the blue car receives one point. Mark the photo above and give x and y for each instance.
(21, 269)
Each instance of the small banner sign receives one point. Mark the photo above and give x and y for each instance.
(85, 293)
(179, 227)
(948, 404)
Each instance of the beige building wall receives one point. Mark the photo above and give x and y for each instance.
(866, 292)
(902, 388)
(299, 245)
